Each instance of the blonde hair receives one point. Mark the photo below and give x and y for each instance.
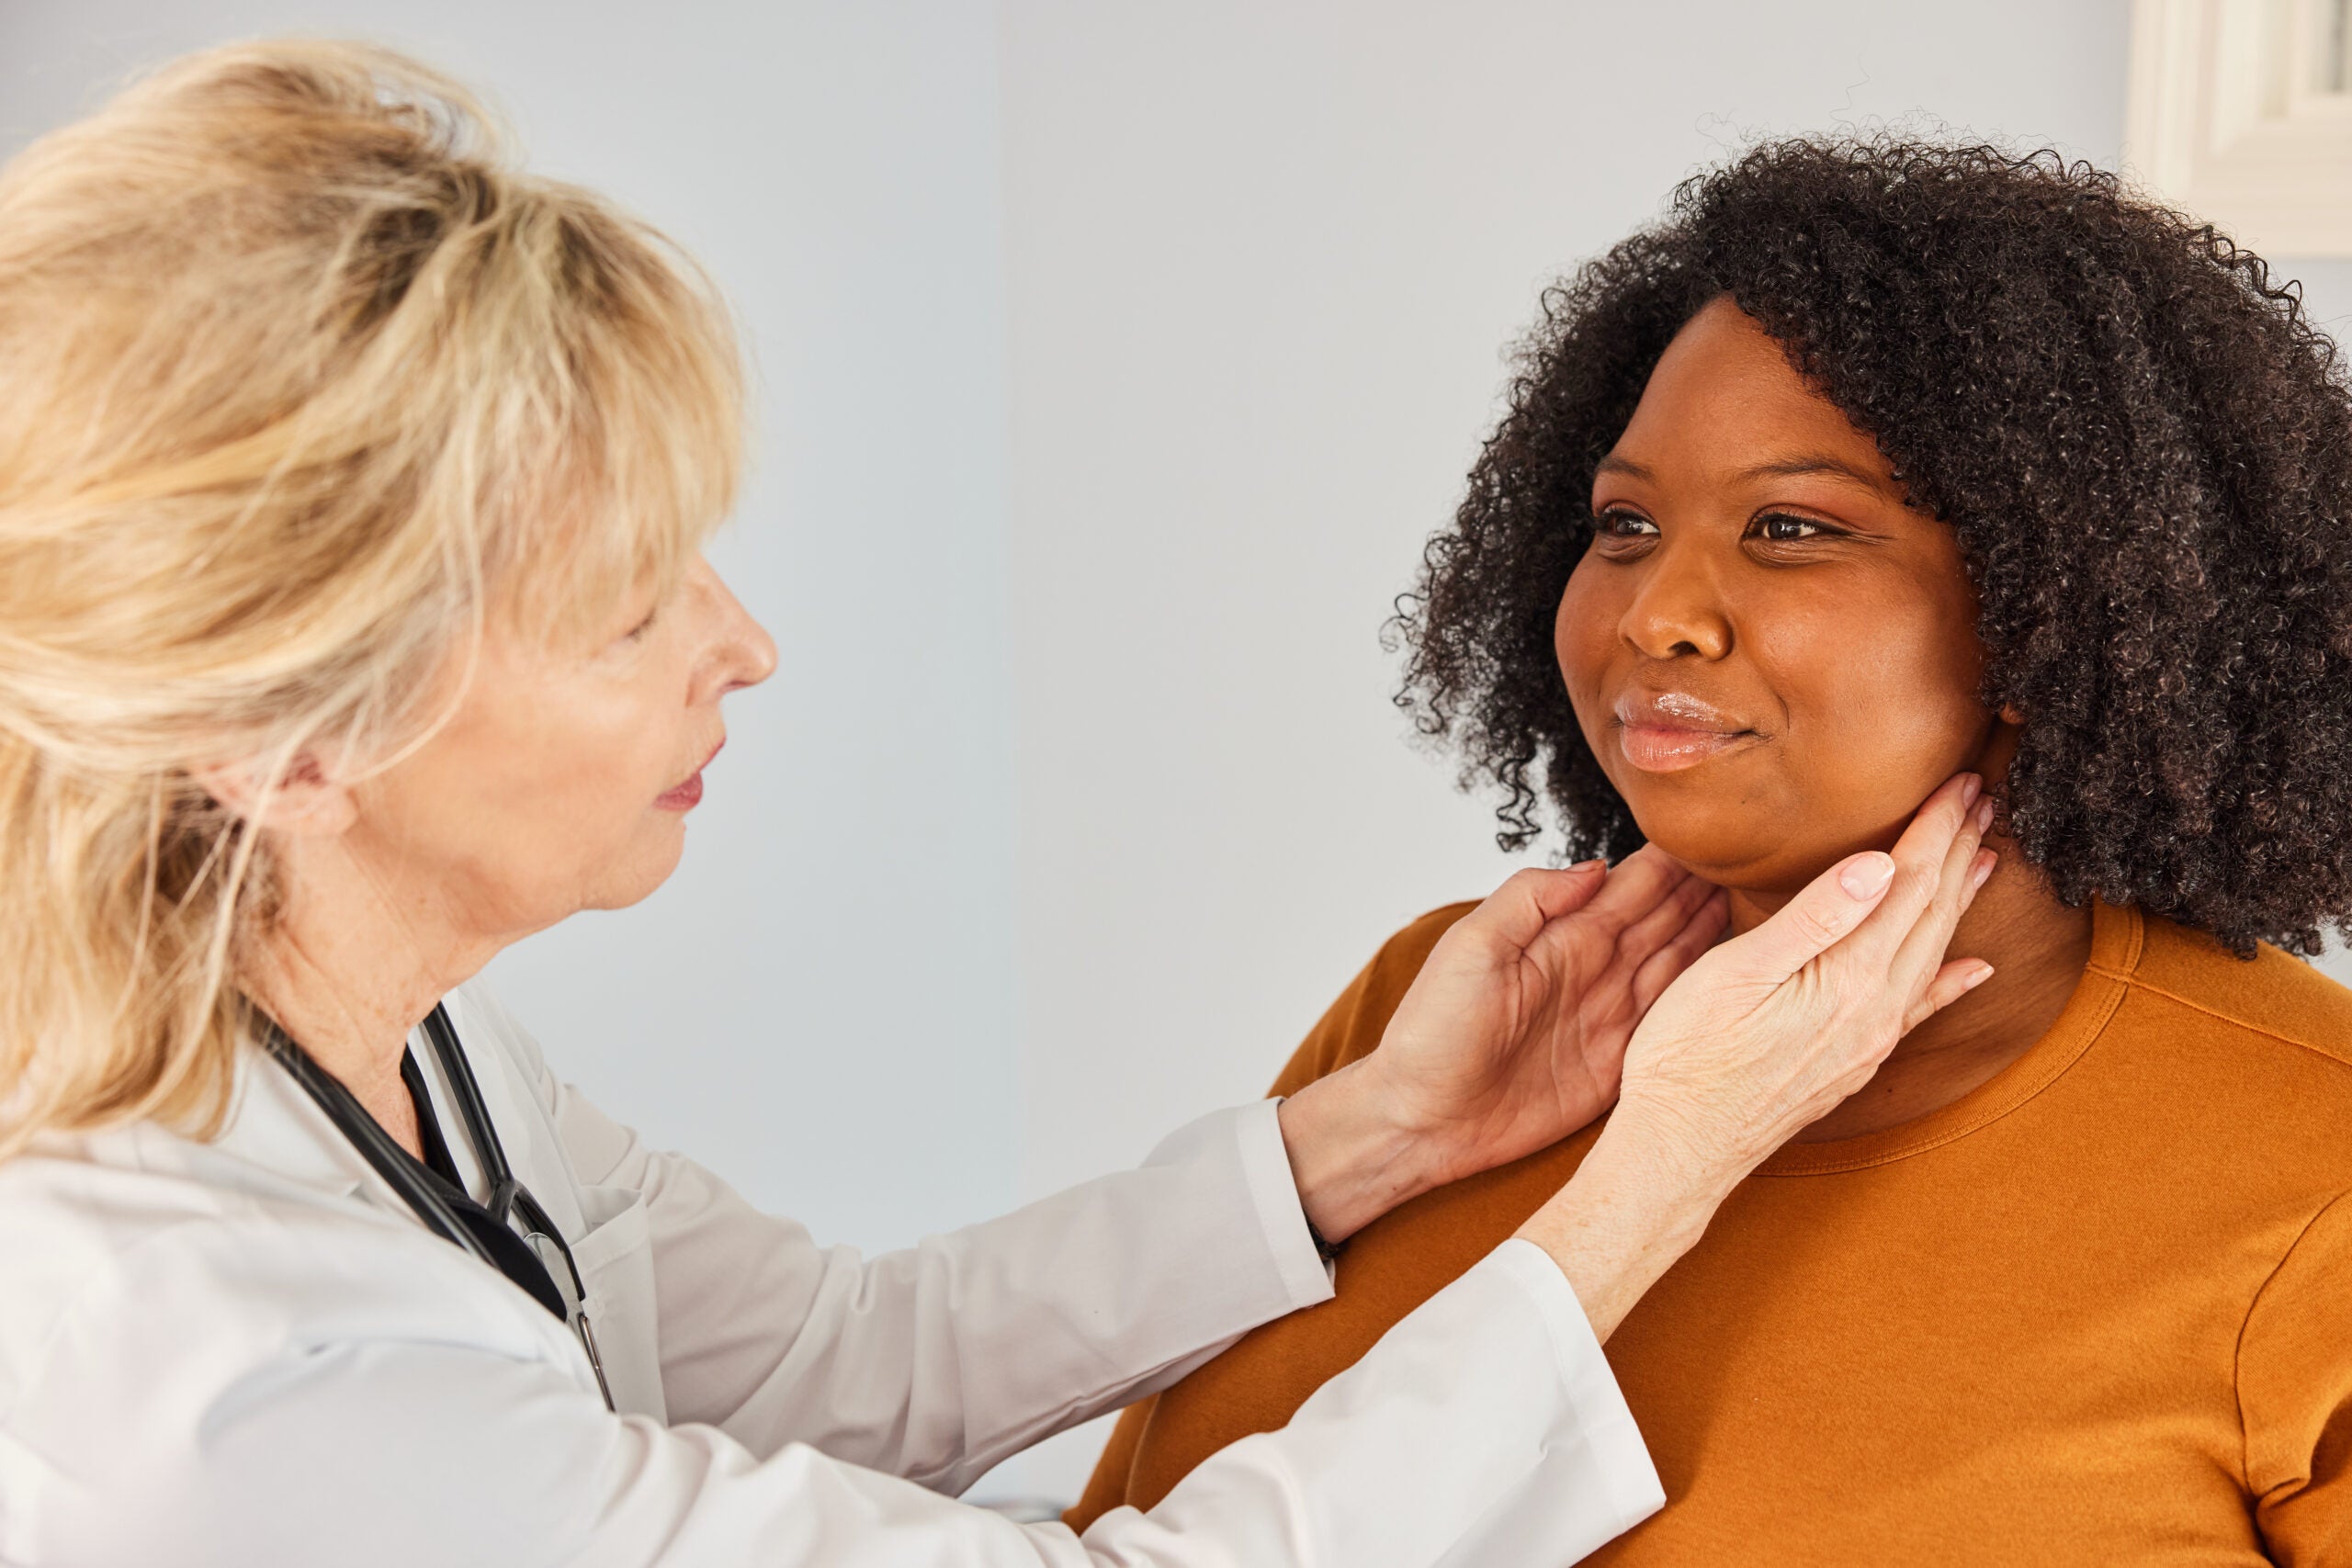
(300, 379)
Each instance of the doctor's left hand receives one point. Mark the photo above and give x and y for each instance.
(1512, 1037)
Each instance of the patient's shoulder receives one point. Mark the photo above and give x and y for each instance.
(1353, 1024)
(2273, 993)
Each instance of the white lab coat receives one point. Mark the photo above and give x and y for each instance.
(248, 1353)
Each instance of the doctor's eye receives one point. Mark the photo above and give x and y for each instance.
(645, 623)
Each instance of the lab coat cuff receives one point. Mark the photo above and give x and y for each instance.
(1614, 1442)
(1265, 1164)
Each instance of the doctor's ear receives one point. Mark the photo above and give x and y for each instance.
(306, 801)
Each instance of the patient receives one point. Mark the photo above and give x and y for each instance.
(1873, 463)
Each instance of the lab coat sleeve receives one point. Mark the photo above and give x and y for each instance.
(936, 1362)
(1485, 1428)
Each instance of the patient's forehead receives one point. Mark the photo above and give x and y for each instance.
(1725, 398)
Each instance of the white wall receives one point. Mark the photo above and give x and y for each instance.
(1215, 291)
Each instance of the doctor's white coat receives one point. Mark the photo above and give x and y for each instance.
(248, 1353)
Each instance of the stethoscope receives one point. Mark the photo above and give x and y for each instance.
(507, 1198)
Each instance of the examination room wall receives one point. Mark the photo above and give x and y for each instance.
(1114, 359)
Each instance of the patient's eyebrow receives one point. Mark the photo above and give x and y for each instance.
(1778, 469)
(1613, 464)
(1813, 463)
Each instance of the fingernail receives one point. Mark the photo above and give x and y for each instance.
(1984, 869)
(1970, 789)
(1866, 876)
(1983, 816)
(1595, 863)
(1983, 973)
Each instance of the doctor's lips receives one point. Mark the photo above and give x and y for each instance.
(1663, 732)
(686, 795)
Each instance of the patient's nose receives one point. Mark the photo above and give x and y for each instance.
(1676, 611)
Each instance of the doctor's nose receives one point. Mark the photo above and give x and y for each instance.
(742, 653)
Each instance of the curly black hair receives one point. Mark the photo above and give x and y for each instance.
(2144, 444)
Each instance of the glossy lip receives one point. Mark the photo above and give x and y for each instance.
(1665, 732)
(685, 796)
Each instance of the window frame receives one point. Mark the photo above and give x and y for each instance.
(2226, 121)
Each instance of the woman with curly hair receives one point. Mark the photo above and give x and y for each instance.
(1877, 460)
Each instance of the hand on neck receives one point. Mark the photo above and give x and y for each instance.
(2038, 948)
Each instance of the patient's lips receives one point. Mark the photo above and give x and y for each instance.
(1663, 732)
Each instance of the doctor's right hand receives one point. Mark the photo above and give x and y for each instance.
(1509, 1039)
(1761, 1037)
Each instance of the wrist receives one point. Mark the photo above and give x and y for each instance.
(1635, 1205)
(1353, 1162)
(1654, 1134)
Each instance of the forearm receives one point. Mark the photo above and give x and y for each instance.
(1489, 1407)
(1635, 1205)
(775, 1341)
(1351, 1157)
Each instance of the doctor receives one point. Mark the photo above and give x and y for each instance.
(352, 489)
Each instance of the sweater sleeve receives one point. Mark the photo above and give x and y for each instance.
(2295, 1396)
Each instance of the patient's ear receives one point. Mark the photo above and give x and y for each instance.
(2000, 752)
(306, 799)
(2000, 747)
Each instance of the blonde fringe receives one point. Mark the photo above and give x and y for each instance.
(300, 382)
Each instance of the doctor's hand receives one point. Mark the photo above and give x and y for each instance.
(1762, 1036)
(1510, 1037)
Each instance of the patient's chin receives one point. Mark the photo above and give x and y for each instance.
(1738, 857)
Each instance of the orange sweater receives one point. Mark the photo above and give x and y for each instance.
(2100, 1310)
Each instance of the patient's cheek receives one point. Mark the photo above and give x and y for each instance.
(1583, 634)
(1900, 717)
(1872, 712)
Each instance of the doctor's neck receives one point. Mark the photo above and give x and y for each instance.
(353, 961)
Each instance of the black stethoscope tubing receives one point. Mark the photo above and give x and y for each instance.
(507, 1194)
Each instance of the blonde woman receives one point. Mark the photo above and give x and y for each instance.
(352, 625)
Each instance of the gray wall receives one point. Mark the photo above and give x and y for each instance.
(1116, 359)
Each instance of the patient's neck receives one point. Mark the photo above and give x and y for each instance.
(2037, 947)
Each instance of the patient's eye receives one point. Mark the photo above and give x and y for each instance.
(1616, 522)
(1785, 528)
